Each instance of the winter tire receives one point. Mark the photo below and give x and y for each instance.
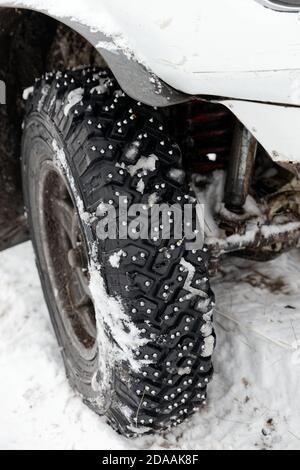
(134, 326)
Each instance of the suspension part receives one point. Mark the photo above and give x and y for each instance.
(205, 131)
(240, 168)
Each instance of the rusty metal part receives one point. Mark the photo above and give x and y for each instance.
(284, 201)
(260, 243)
(287, 201)
(240, 169)
(263, 246)
(274, 229)
(256, 237)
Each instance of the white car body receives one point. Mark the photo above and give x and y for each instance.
(239, 52)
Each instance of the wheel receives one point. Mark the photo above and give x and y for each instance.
(133, 317)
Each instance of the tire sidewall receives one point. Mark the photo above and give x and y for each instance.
(37, 146)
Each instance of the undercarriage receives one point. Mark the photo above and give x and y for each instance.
(252, 204)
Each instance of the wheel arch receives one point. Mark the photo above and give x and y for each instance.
(133, 77)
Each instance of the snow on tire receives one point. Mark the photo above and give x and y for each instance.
(141, 353)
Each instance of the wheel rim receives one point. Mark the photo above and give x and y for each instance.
(66, 257)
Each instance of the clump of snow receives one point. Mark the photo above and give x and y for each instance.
(144, 164)
(102, 87)
(101, 209)
(141, 186)
(27, 93)
(113, 322)
(207, 329)
(61, 162)
(273, 229)
(191, 270)
(153, 199)
(140, 431)
(237, 240)
(108, 46)
(177, 175)
(74, 97)
(203, 303)
(121, 165)
(184, 371)
(252, 208)
(115, 259)
(45, 91)
(133, 150)
(209, 344)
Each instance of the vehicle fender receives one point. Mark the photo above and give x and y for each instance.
(277, 128)
(135, 78)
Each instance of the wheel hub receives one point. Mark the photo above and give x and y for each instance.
(66, 256)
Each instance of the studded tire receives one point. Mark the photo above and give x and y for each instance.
(158, 352)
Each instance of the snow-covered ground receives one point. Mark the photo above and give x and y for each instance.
(254, 399)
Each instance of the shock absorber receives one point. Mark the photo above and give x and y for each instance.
(240, 168)
(212, 138)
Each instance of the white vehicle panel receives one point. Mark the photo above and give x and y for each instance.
(277, 128)
(218, 47)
